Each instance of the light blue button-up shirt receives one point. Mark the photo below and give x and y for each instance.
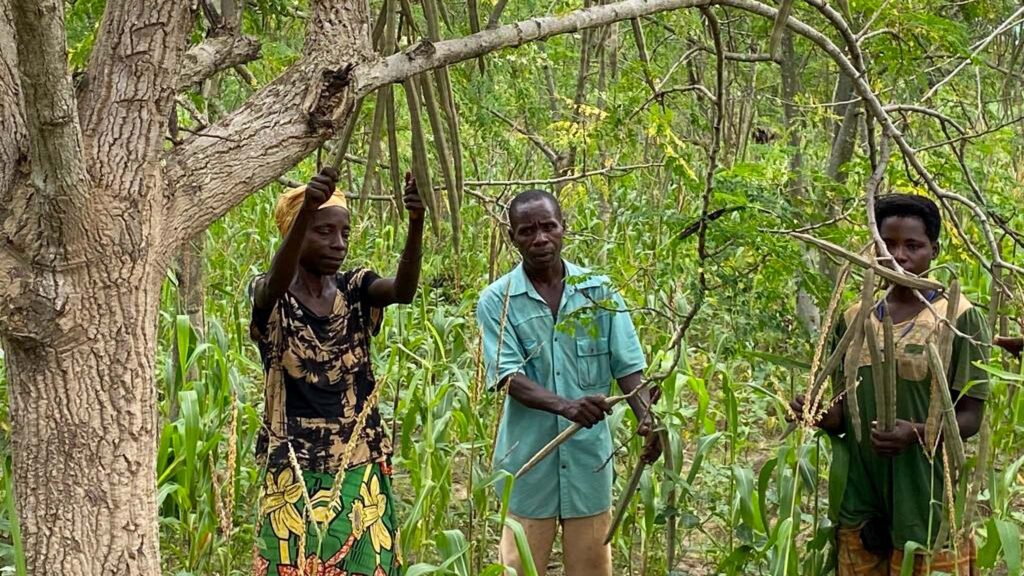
(577, 354)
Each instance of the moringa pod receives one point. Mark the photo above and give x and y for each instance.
(950, 429)
(888, 419)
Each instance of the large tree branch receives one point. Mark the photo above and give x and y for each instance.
(214, 55)
(427, 55)
(54, 139)
(129, 90)
(275, 129)
(217, 168)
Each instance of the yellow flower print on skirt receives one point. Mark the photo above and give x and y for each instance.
(359, 530)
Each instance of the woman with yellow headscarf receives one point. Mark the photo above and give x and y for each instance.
(325, 508)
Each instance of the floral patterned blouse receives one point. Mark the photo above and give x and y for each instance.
(319, 380)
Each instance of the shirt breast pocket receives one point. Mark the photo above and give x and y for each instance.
(912, 364)
(593, 366)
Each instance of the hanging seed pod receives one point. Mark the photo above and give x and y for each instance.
(393, 165)
(346, 135)
(889, 377)
(946, 338)
(373, 151)
(877, 371)
(862, 331)
(420, 168)
(977, 477)
(950, 429)
(443, 158)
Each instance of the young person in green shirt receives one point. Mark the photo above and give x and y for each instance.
(884, 490)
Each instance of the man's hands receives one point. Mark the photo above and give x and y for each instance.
(904, 435)
(413, 201)
(320, 189)
(586, 411)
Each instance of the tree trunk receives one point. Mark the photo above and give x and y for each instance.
(84, 429)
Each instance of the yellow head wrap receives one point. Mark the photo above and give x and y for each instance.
(289, 203)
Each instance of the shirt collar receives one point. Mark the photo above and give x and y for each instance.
(520, 284)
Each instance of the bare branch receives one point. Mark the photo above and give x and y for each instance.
(641, 47)
(610, 171)
(214, 55)
(536, 140)
(1006, 25)
(427, 55)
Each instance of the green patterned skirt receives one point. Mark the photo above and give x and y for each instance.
(358, 536)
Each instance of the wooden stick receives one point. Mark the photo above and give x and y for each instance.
(564, 435)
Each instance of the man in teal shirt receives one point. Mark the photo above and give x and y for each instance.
(556, 336)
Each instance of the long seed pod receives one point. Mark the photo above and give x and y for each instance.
(474, 27)
(444, 158)
(346, 135)
(451, 116)
(393, 165)
(853, 355)
(916, 282)
(946, 337)
(373, 152)
(420, 169)
(624, 499)
(889, 377)
(851, 367)
(978, 476)
(877, 373)
(950, 430)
